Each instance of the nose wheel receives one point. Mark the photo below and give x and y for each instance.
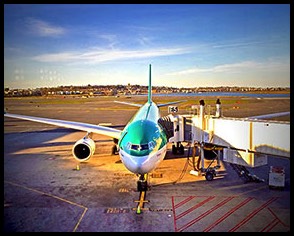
(142, 183)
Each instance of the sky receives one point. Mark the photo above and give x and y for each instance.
(188, 45)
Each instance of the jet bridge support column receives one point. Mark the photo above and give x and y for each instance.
(201, 138)
(197, 131)
(201, 116)
(201, 124)
(218, 111)
(178, 129)
(202, 156)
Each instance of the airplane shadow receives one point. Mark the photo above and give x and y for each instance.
(37, 139)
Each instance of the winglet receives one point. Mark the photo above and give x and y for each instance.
(149, 87)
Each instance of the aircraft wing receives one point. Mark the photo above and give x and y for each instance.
(159, 105)
(270, 115)
(129, 103)
(98, 129)
(170, 103)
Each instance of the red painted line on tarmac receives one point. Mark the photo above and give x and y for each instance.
(174, 213)
(273, 223)
(184, 201)
(253, 213)
(205, 214)
(179, 204)
(194, 207)
(227, 214)
(278, 218)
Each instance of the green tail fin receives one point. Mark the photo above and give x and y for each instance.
(150, 87)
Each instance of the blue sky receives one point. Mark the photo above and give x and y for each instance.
(47, 45)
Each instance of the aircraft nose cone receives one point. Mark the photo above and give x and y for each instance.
(142, 167)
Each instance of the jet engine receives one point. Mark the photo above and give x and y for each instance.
(83, 149)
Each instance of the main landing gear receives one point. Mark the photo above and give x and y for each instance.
(114, 150)
(178, 149)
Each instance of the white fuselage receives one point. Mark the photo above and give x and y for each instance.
(143, 144)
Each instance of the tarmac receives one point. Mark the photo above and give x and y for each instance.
(47, 190)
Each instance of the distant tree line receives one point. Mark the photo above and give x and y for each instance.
(129, 89)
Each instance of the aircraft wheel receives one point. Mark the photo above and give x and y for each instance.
(114, 150)
(142, 185)
(209, 175)
(174, 149)
(182, 151)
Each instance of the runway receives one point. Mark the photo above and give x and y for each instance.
(45, 192)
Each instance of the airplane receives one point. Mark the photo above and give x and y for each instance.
(142, 144)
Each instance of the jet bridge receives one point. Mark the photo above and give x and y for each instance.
(243, 141)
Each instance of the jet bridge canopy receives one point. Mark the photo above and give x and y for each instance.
(244, 141)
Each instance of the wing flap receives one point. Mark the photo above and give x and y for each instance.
(170, 103)
(267, 116)
(129, 103)
(111, 132)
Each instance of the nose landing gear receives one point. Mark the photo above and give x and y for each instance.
(142, 187)
(142, 183)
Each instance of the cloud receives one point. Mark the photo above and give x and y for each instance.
(110, 38)
(98, 56)
(44, 29)
(145, 41)
(56, 57)
(236, 67)
(237, 45)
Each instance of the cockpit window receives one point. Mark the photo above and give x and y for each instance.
(141, 147)
(151, 145)
(135, 147)
(144, 147)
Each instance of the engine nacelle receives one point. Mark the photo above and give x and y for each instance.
(83, 149)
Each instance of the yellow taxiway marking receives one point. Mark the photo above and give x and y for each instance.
(56, 197)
